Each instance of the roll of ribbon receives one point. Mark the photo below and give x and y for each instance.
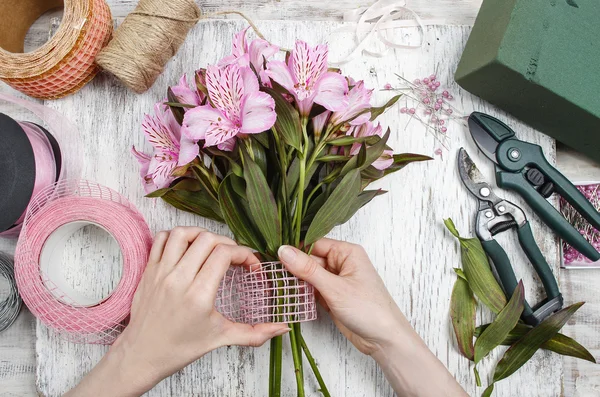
(47, 171)
(31, 159)
(52, 217)
(66, 62)
(10, 306)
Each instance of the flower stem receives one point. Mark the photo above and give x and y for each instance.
(314, 367)
(275, 367)
(297, 357)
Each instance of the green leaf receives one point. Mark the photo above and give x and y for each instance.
(488, 391)
(349, 140)
(378, 111)
(258, 154)
(363, 199)
(263, 208)
(372, 154)
(502, 325)
(560, 344)
(293, 175)
(236, 217)
(331, 158)
(477, 377)
(372, 173)
(335, 208)
(189, 184)
(477, 269)
(178, 112)
(262, 138)
(199, 203)
(158, 193)
(404, 159)
(287, 124)
(460, 274)
(462, 313)
(519, 353)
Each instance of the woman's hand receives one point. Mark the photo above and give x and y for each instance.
(351, 290)
(173, 318)
(364, 311)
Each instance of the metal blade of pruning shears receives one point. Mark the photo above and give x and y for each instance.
(488, 132)
(473, 179)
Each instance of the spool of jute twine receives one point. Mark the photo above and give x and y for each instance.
(148, 38)
(66, 62)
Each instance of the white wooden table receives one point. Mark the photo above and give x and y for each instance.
(420, 278)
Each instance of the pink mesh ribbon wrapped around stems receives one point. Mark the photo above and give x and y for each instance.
(266, 293)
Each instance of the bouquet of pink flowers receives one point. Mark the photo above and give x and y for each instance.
(281, 151)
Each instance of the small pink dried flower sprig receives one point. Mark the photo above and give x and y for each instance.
(591, 234)
(429, 104)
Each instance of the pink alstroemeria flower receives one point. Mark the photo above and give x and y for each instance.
(170, 149)
(186, 95)
(254, 54)
(370, 129)
(306, 77)
(240, 108)
(359, 99)
(144, 162)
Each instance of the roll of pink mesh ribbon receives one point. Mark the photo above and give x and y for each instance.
(54, 215)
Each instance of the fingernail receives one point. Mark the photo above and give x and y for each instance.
(287, 253)
(282, 332)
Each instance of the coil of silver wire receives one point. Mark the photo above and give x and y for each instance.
(10, 301)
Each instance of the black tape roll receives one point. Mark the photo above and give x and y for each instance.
(17, 171)
(55, 149)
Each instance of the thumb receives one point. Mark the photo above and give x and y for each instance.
(257, 335)
(306, 268)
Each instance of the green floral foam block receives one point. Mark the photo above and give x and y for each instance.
(540, 61)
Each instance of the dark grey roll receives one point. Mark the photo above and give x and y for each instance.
(11, 305)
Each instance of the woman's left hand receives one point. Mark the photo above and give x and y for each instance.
(173, 317)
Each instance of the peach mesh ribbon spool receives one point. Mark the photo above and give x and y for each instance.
(265, 294)
(59, 307)
(66, 62)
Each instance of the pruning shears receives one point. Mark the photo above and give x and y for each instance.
(522, 167)
(496, 215)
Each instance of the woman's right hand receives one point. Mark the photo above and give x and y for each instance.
(365, 312)
(351, 290)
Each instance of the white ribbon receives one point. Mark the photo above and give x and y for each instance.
(388, 14)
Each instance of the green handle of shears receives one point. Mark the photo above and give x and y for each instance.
(538, 261)
(533, 156)
(504, 270)
(545, 210)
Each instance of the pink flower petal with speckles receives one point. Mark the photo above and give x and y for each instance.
(259, 51)
(258, 113)
(308, 64)
(188, 151)
(332, 91)
(198, 121)
(220, 132)
(158, 134)
(240, 45)
(249, 80)
(161, 167)
(184, 94)
(144, 162)
(319, 122)
(227, 146)
(226, 88)
(279, 72)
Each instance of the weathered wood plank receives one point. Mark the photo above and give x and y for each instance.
(17, 359)
(416, 261)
